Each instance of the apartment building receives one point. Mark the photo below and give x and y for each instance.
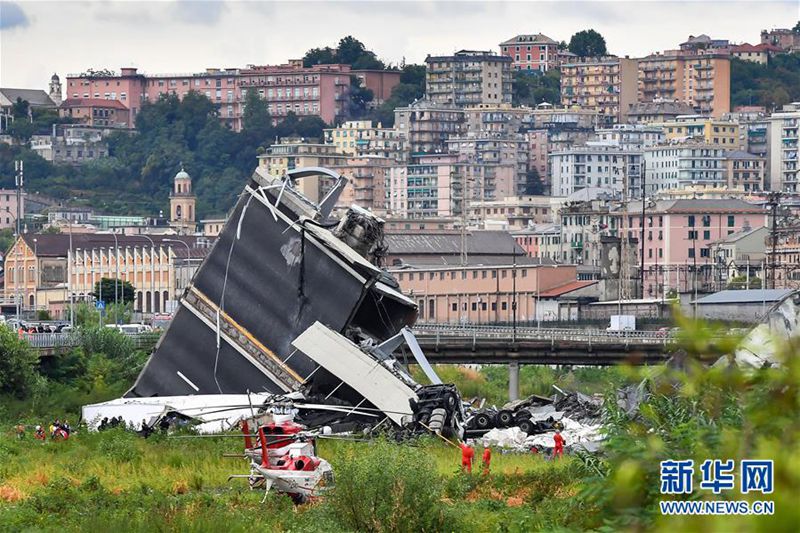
(759, 53)
(783, 149)
(495, 165)
(429, 187)
(541, 241)
(745, 171)
(605, 84)
(531, 52)
(701, 79)
(320, 90)
(595, 165)
(784, 38)
(676, 166)
(424, 126)
(360, 138)
(95, 112)
(726, 133)
(367, 177)
(469, 78)
(73, 145)
(290, 155)
(629, 136)
(497, 118)
(658, 111)
(8, 208)
(514, 212)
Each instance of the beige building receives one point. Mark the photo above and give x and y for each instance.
(481, 294)
(290, 155)
(702, 80)
(360, 138)
(8, 208)
(496, 118)
(606, 84)
(515, 212)
(366, 185)
(424, 126)
(212, 227)
(697, 128)
(48, 271)
(469, 78)
(745, 171)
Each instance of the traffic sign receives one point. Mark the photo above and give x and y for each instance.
(100, 305)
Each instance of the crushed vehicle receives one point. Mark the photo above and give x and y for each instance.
(293, 304)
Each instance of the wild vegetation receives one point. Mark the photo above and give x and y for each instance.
(117, 480)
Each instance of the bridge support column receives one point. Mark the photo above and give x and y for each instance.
(513, 381)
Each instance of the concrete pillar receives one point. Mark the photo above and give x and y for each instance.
(513, 381)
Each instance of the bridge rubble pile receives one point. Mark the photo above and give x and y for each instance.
(294, 304)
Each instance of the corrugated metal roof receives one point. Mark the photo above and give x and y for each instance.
(478, 243)
(745, 296)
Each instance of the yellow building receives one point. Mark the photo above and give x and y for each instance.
(606, 84)
(48, 271)
(702, 80)
(360, 138)
(708, 130)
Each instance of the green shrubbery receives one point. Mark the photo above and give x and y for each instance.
(387, 487)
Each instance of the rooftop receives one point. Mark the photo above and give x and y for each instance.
(745, 296)
(93, 102)
(532, 38)
(479, 243)
(34, 97)
(58, 244)
(565, 289)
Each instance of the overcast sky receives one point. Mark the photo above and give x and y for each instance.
(40, 38)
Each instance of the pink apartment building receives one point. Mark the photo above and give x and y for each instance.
(96, 112)
(531, 52)
(679, 234)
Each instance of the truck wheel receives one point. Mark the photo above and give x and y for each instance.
(505, 418)
(482, 421)
(526, 426)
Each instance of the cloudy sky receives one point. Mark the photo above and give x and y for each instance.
(40, 38)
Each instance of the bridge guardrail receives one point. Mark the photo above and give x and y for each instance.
(67, 340)
(587, 335)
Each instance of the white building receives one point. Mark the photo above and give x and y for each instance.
(783, 148)
(676, 166)
(630, 136)
(594, 165)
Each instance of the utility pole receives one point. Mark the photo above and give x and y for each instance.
(623, 292)
(514, 295)
(464, 218)
(773, 201)
(19, 181)
(644, 207)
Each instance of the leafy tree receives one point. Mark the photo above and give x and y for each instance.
(20, 109)
(359, 99)
(17, 364)
(319, 56)
(770, 85)
(21, 130)
(6, 239)
(352, 52)
(532, 88)
(110, 289)
(533, 183)
(588, 43)
(796, 28)
(256, 120)
(410, 88)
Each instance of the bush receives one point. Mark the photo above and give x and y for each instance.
(17, 364)
(108, 341)
(120, 445)
(388, 487)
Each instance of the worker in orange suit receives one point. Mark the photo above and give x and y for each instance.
(558, 450)
(487, 459)
(467, 454)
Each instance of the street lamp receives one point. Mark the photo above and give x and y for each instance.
(116, 279)
(152, 271)
(188, 255)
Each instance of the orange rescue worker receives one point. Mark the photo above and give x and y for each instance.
(487, 459)
(467, 454)
(558, 450)
(39, 435)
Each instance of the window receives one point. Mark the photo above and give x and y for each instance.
(704, 252)
(494, 306)
(706, 235)
(504, 306)
(474, 306)
(692, 235)
(690, 221)
(731, 221)
(691, 253)
(454, 307)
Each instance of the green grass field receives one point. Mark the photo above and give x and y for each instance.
(117, 481)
